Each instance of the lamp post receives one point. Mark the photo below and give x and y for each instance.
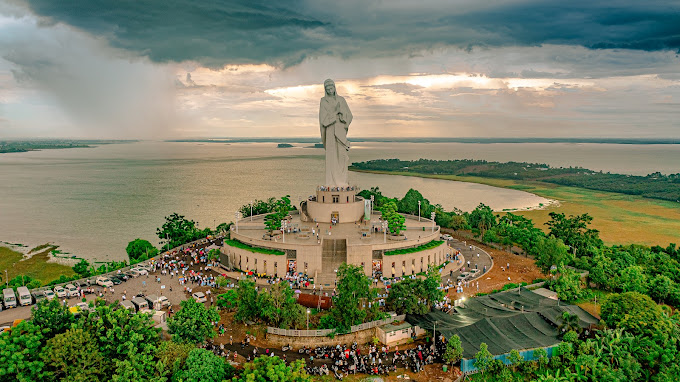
(372, 200)
(237, 215)
(6, 279)
(384, 227)
(308, 311)
(432, 215)
(434, 333)
(251, 210)
(419, 210)
(283, 230)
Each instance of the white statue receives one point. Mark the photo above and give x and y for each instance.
(334, 120)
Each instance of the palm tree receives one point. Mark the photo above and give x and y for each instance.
(569, 322)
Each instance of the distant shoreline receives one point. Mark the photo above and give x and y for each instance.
(26, 145)
(619, 141)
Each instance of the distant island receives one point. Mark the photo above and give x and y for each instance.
(20, 146)
(284, 145)
(654, 186)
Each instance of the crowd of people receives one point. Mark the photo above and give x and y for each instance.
(343, 360)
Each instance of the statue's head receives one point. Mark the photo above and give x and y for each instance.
(329, 85)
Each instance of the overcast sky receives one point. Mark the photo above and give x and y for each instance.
(255, 68)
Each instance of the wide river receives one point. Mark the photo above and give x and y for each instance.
(93, 201)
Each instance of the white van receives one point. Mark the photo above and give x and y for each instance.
(140, 303)
(24, 296)
(9, 299)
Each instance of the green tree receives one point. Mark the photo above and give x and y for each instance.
(567, 284)
(279, 307)
(223, 228)
(228, 300)
(660, 287)
(20, 354)
(118, 333)
(246, 301)
(173, 355)
(279, 211)
(633, 279)
(409, 204)
(214, 254)
(204, 366)
(52, 316)
(178, 230)
(541, 355)
(454, 350)
(431, 292)
(350, 304)
(482, 218)
(273, 369)
(24, 280)
(568, 323)
(140, 250)
(395, 221)
(82, 268)
(141, 367)
(404, 297)
(483, 358)
(551, 251)
(515, 359)
(574, 232)
(74, 356)
(193, 323)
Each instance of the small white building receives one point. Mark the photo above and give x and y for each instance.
(397, 333)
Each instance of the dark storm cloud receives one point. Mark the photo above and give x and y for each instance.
(285, 32)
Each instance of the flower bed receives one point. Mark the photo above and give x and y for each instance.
(426, 246)
(238, 244)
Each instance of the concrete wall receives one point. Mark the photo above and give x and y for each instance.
(347, 212)
(360, 337)
(412, 263)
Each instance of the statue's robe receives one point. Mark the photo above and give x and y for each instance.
(334, 138)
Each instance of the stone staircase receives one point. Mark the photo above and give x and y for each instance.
(333, 254)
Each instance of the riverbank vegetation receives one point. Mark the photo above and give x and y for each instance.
(621, 218)
(20, 146)
(655, 185)
(35, 267)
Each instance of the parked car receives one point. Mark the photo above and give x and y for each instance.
(128, 305)
(141, 271)
(25, 297)
(140, 303)
(49, 294)
(9, 299)
(157, 302)
(116, 280)
(446, 236)
(104, 281)
(199, 297)
(71, 290)
(83, 306)
(60, 292)
(38, 296)
(133, 273)
(144, 267)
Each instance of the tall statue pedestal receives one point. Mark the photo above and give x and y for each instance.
(334, 205)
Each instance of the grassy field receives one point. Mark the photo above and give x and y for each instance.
(37, 266)
(621, 219)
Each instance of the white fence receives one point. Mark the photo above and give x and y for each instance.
(326, 332)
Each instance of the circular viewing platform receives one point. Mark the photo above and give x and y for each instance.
(319, 248)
